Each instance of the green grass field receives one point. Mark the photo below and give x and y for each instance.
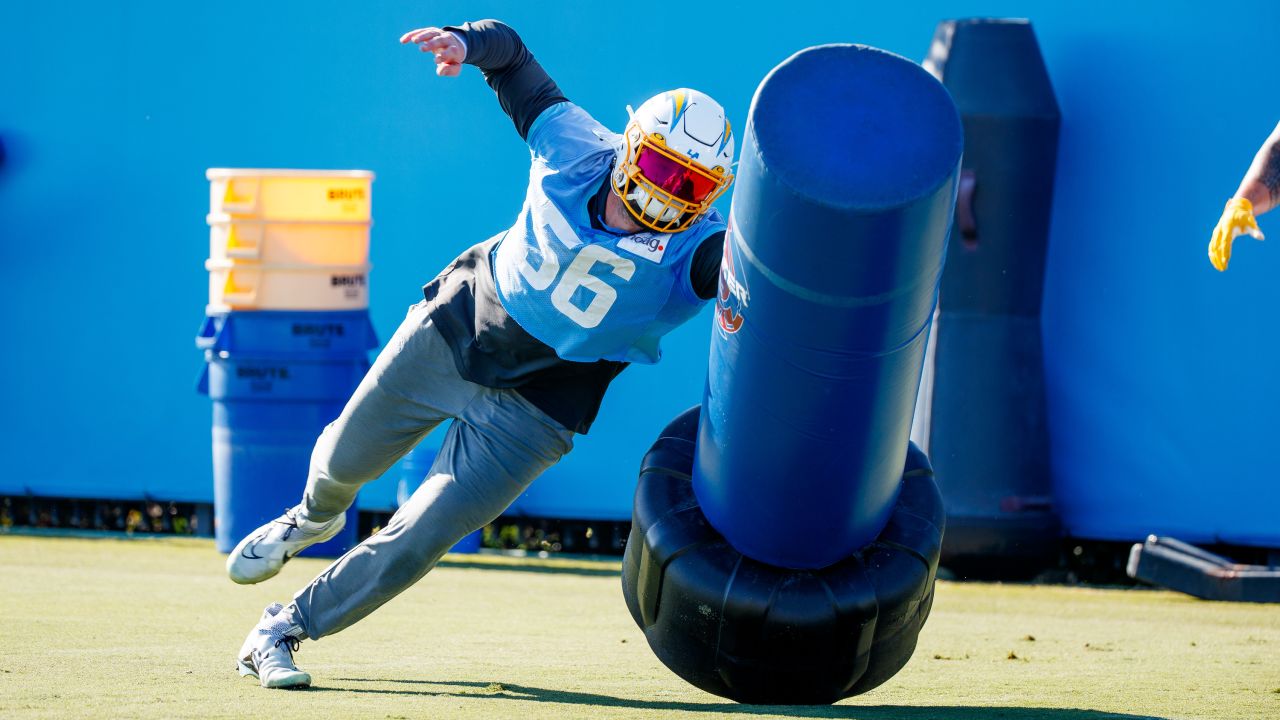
(117, 628)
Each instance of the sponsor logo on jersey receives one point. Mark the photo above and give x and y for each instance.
(650, 246)
(731, 302)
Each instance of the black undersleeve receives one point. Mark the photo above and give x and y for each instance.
(705, 272)
(524, 89)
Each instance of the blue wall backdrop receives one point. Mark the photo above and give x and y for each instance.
(1160, 370)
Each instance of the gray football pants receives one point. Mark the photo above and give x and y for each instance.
(497, 444)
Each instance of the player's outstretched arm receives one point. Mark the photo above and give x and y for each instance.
(1261, 185)
(524, 89)
(1258, 193)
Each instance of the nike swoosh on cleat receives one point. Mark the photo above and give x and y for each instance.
(250, 548)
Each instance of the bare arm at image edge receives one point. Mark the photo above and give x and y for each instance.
(1261, 185)
(1259, 192)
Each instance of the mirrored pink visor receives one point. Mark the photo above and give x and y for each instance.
(674, 178)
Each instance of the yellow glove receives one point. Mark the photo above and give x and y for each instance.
(1237, 219)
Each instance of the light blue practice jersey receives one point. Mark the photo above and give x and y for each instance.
(588, 293)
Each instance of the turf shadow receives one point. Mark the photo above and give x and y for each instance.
(509, 691)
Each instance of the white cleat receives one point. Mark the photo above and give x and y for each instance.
(267, 654)
(262, 553)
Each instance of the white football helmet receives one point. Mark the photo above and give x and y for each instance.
(676, 158)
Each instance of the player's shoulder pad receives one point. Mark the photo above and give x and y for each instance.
(565, 132)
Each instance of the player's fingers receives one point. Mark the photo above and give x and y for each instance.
(423, 35)
(1215, 248)
(444, 57)
(448, 69)
(1224, 253)
(440, 43)
(1217, 260)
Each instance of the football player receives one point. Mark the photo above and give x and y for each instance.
(1259, 192)
(516, 341)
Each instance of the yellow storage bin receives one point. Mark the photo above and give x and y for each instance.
(246, 285)
(316, 243)
(294, 195)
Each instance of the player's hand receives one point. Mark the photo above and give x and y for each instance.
(1237, 219)
(447, 48)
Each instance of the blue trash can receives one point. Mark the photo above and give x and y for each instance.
(345, 333)
(468, 545)
(274, 389)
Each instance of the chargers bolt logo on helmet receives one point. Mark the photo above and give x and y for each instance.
(675, 159)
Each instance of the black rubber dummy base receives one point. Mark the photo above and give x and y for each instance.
(756, 633)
